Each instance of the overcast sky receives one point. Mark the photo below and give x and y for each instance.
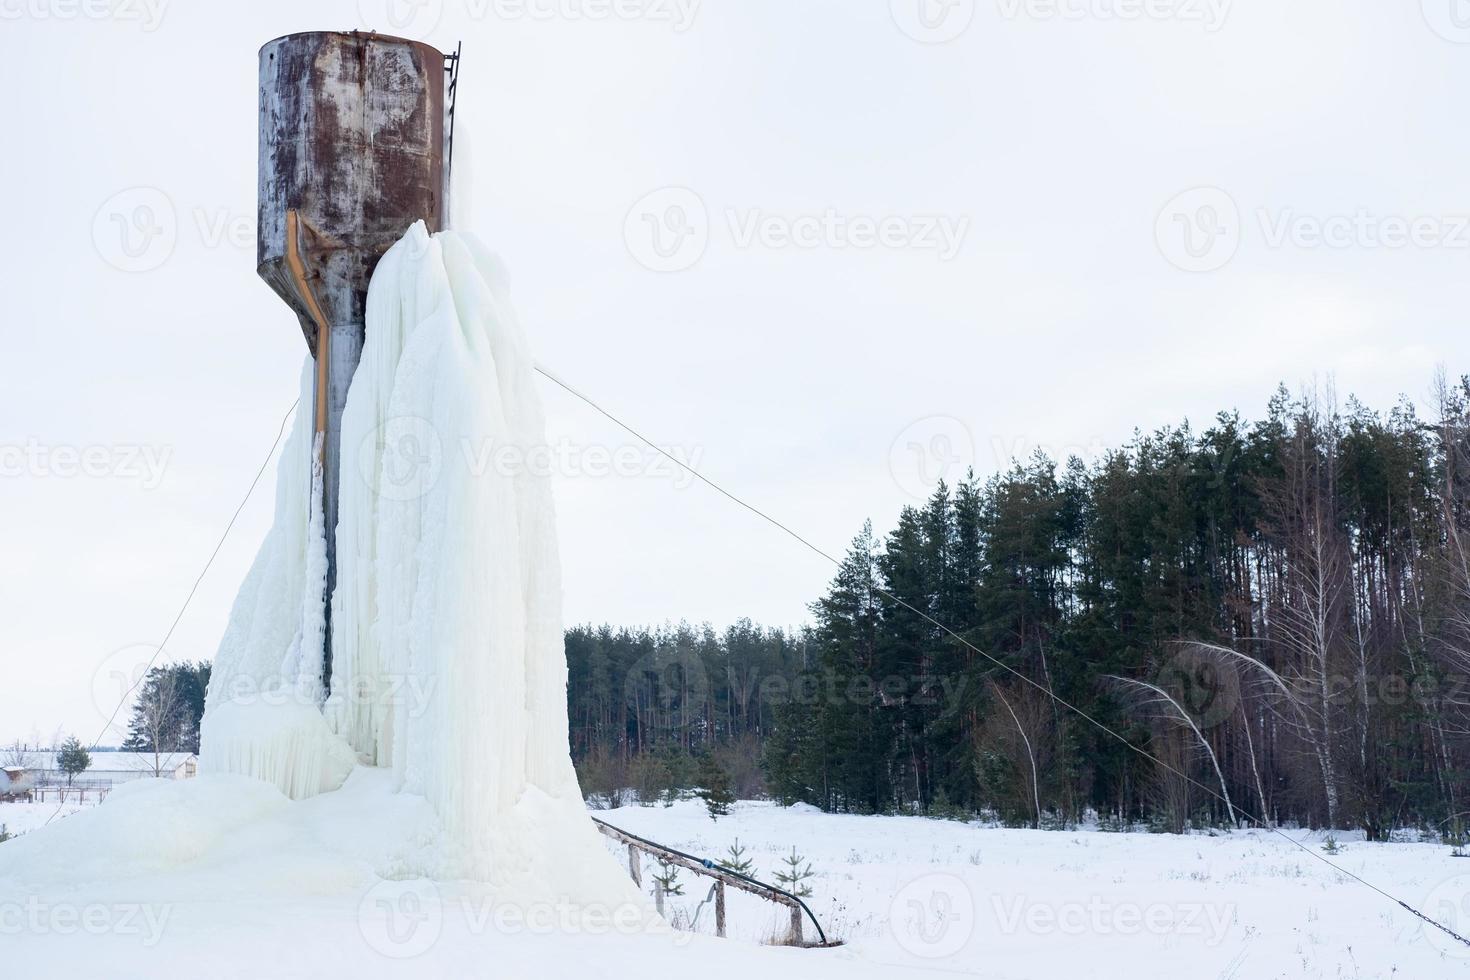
(827, 248)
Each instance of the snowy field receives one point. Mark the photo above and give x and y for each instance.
(17, 818)
(908, 896)
(943, 896)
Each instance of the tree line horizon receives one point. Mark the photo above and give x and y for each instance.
(1277, 612)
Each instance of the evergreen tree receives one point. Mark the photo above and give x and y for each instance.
(714, 787)
(736, 861)
(168, 709)
(667, 878)
(794, 874)
(73, 758)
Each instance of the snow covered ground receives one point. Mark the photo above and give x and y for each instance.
(909, 896)
(996, 903)
(17, 818)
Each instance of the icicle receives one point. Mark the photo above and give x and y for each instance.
(285, 742)
(447, 657)
(304, 658)
(262, 716)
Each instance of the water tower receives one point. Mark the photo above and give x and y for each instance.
(356, 134)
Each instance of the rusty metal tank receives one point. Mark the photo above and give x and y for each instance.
(353, 150)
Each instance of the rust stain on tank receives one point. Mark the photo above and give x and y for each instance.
(352, 138)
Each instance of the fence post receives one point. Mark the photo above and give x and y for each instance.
(796, 939)
(720, 909)
(635, 866)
